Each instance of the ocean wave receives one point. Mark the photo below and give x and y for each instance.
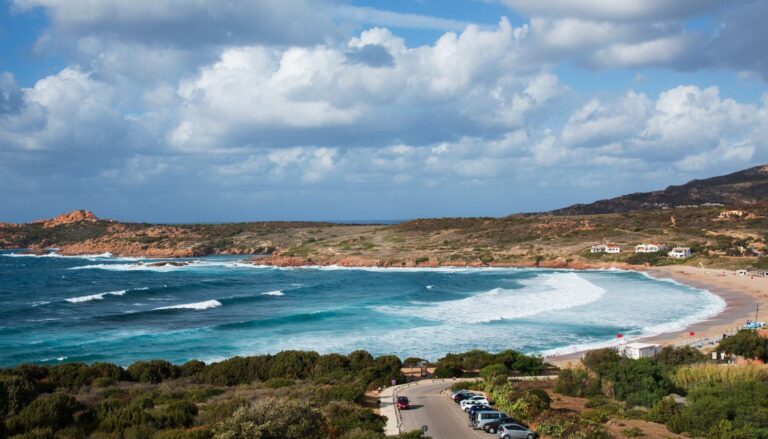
(198, 306)
(91, 257)
(551, 292)
(101, 296)
(273, 293)
(187, 265)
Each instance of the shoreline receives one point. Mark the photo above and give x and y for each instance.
(741, 295)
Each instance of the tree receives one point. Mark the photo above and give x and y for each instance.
(601, 361)
(48, 411)
(359, 360)
(273, 418)
(746, 343)
(679, 356)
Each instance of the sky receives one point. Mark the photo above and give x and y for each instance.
(211, 111)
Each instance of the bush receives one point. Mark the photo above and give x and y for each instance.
(238, 370)
(345, 417)
(200, 433)
(678, 356)
(15, 393)
(448, 370)
(293, 364)
(689, 376)
(358, 433)
(663, 411)
(48, 411)
(746, 343)
(191, 368)
(633, 432)
(273, 418)
(177, 414)
(154, 371)
(577, 382)
(491, 372)
(601, 361)
(360, 360)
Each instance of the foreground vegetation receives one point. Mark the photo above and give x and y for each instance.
(293, 394)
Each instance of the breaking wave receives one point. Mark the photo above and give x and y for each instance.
(556, 291)
(274, 293)
(101, 296)
(198, 306)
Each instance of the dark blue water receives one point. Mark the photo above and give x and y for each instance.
(55, 309)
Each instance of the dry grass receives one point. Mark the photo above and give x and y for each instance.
(689, 376)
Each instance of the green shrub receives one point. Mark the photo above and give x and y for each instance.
(53, 411)
(577, 382)
(360, 360)
(153, 371)
(177, 414)
(238, 370)
(633, 432)
(672, 356)
(448, 370)
(15, 393)
(358, 433)
(746, 343)
(601, 361)
(293, 364)
(200, 433)
(345, 416)
(36, 433)
(273, 418)
(493, 371)
(663, 411)
(191, 368)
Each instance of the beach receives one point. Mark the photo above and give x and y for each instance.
(743, 295)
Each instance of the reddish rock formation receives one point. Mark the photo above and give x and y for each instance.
(75, 216)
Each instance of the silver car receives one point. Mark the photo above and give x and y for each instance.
(515, 431)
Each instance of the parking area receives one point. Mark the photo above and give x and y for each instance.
(430, 406)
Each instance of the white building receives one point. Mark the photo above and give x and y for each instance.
(639, 350)
(680, 253)
(605, 248)
(649, 248)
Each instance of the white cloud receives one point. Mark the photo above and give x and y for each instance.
(611, 9)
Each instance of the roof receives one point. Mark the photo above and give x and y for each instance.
(638, 345)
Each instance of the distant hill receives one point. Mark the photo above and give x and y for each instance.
(745, 187)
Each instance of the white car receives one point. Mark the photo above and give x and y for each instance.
(469, 402)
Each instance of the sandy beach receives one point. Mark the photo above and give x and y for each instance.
(742, 294)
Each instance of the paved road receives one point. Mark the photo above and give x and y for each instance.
(443, 417)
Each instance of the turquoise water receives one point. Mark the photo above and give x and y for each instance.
(98, 308)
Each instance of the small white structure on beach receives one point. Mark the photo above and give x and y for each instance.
(612, 249)
(649, 248)
(639, 350)
(680, 253)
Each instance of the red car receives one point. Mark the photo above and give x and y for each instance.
(403, 403)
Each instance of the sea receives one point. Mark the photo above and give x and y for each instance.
(56, 309)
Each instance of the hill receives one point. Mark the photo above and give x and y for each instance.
(742, 188)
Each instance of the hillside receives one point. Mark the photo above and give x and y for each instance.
(742, 188)
(683, 215)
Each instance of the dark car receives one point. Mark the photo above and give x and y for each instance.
(462, 396)
(476, 408)
(493, 426)
(403, 403)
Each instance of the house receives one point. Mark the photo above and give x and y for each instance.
(649, 248)
(742, 272)
(605, 248)
(680, 253)
(727, 214)
(637, 351)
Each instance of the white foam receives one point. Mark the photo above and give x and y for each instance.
(99, 296)
(550, 292)
(274, 293)
(429, 287)
(188, 265)
(199, 306)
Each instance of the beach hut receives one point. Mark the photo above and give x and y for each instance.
(637, 350)
(680, 253)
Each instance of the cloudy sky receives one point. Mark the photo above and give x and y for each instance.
(210, 110)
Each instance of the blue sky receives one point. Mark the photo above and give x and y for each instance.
(162, 110)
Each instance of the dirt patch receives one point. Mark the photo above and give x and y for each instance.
(651, 430)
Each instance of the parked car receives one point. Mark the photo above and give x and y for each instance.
(460, 392)
(462, 396)
(403, 403)
(477, 408)
(515, 431)
(482, 417)
(479, 399)
(493, 426)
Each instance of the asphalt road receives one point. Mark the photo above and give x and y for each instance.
(443, 417)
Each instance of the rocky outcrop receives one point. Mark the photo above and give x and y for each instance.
(76, 216)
